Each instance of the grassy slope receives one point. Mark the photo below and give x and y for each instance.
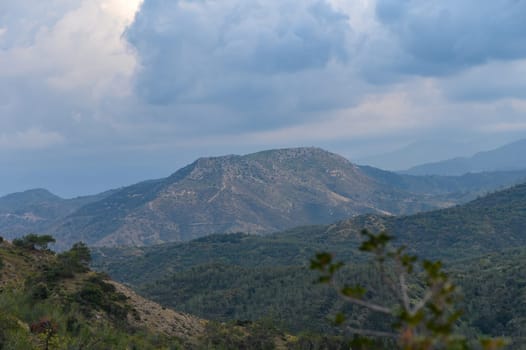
(87, 310)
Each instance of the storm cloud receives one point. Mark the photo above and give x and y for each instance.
(245, 56)
(443, 37)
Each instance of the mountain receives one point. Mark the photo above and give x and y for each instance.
(37, 210)
(458, 189)
(256, 193)
(423, 151)
(262, 192)
(507, 157)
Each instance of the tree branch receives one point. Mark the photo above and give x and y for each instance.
(366, 304)
(372, 333)
(403, 290)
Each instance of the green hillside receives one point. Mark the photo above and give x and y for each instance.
(493, 287)
(238, 276)
(56, 302)
(487, 224)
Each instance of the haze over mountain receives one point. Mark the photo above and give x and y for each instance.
(507, 157)
(425, 151)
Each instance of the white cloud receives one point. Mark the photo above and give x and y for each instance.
(66, 66)
(82, 50)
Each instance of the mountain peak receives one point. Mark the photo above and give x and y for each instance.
(32, 194)
(260, 192)
(296, 152)
(275, 154)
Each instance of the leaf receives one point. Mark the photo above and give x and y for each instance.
(339, 319)
(353, 291)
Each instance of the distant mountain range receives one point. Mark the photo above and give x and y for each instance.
(257, 193)
(37, 210)
(507, 157)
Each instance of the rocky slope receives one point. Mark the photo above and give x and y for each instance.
(37, 210)
(257, 193)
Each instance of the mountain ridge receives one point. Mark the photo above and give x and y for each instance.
(505, 158)
(258, 193)
(261, 192)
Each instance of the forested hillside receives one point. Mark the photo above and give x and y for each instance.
(238, 276)
(484, 225)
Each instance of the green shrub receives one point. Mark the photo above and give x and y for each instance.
(40, 291)
(12, 335)
(96, 294)
(34, 242)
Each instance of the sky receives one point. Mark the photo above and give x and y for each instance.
(97, 94)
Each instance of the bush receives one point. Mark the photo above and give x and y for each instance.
(40, 292)
(34, 242)
(98, 294)
(77, 259)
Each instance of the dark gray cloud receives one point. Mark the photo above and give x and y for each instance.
(443, 37)
(244, 56)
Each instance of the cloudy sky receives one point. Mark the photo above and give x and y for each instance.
(96, 94)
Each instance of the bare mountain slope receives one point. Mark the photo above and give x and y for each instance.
(257, 193)
(37, 210)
